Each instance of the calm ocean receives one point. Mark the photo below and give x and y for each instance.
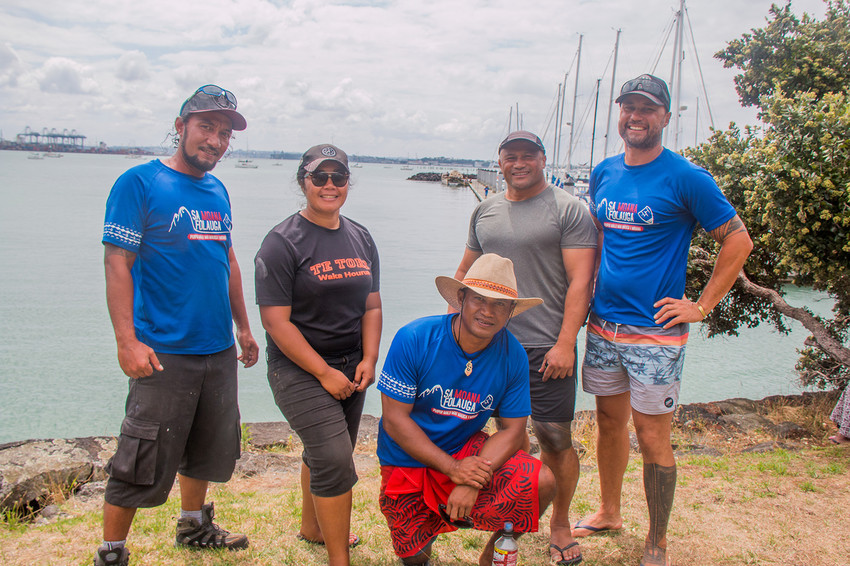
(58, 372)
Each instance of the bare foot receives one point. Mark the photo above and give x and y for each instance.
(839, 439)
(596, 523)
(563, 548)
(654, 555)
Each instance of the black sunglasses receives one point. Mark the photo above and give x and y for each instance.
(320, 178)
(464, 523)
(223, 98)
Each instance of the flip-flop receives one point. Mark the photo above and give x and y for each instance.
(566, 561)
(593, 530)
(353, 540)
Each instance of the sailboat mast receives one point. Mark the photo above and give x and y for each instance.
(611, 96)
(678, 88)
(675, 68)
(595, 112)
(573, 118)
(557, 119)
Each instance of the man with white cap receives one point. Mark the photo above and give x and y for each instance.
(646, 204)
(551, 239)
(443, 378)
(174, 292)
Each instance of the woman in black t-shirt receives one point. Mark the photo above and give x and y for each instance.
(317, 284)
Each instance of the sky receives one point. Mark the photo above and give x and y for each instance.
(395, 78)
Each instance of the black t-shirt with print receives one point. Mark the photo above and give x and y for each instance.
(324, 275)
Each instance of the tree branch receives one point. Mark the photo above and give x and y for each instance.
(822, 337)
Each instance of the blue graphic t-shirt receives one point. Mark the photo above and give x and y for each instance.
(425, 368)
(179, 228)
(648, 214)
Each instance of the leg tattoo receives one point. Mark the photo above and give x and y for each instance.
(660, 485)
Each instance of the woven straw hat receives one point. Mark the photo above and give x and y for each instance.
(491, 276)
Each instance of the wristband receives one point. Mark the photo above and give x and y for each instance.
(701, 310)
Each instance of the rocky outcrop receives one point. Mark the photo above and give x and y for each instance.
(30, 471)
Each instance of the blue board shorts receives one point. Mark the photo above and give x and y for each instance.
(646, 361)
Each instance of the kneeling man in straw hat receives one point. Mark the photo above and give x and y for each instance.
(443, 378)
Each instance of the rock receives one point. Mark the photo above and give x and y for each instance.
(254, 463)
(91, 490)
(33, 470)
(748, 422)
(736, 406)
(788, 429)
(268, 435)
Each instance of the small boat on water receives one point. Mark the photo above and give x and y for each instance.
(246, 164)
(35, 156)
(452, 178)
(52, 154)
(357, 166)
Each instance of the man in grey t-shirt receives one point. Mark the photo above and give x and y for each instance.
(551, 239)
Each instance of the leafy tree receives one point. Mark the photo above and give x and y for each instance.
(790, 182)
(792, 55)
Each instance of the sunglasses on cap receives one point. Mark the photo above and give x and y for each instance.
(320, 178)
(648, 86)
(222, 98)
(464, 523)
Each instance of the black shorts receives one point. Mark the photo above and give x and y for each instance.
(327, 427)
(183, 419)
(554, 400)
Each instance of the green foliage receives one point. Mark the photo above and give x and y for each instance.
(789, 179)
(792, 55)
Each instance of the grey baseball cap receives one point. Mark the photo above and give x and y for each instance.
(318, 154)
(649, 86)
(213, 98)
(522, 135)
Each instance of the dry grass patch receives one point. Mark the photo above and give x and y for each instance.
(780, 507)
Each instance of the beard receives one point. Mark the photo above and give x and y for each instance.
(195, 161)
(649, 141)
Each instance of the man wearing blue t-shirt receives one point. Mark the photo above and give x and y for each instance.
(174, 292)
(646, 204)
(442, 379)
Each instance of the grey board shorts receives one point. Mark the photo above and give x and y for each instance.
(183, 419)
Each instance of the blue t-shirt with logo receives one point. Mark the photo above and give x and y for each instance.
(179, 228)
(426, 368)
(648, 214)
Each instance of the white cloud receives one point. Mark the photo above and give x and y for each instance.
(11, 67)
(392, 77)
(60, 75)
(133, 66)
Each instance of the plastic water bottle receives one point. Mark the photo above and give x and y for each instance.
(505, 551)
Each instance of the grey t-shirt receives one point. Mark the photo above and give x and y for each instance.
(532, 233)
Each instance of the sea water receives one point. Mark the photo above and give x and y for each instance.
(59, 376)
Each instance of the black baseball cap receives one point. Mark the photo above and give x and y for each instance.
(522, 135)
(649, 86)
(213, 98)
(318, 154)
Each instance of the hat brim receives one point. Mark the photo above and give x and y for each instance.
(237, 121)
(449, 286)
(652, 98)
(313, 165)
